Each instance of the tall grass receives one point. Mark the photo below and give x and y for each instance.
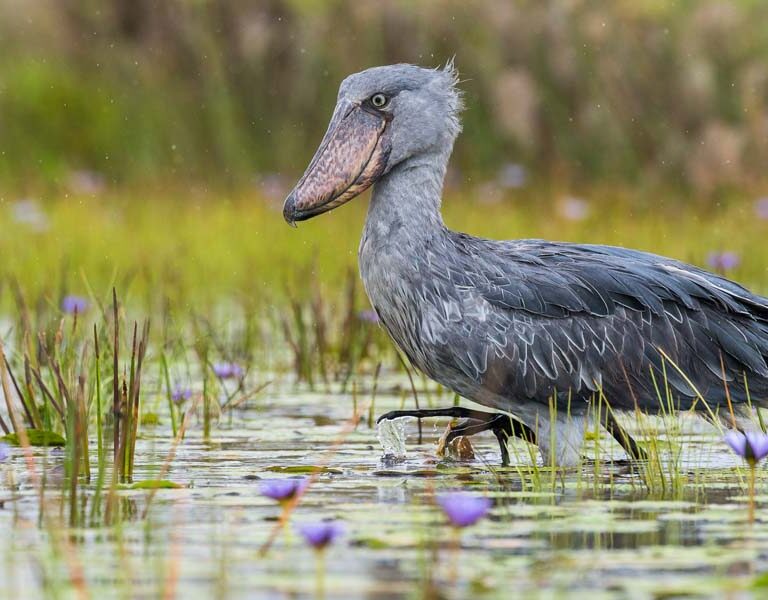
(217, 91)
(184, 253)
(215, 290)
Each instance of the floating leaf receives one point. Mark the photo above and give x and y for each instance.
(760, 582)
(150, 419)
(37, 437)
(155, 484)
(371, 542)
(415, 473)
(303, 469)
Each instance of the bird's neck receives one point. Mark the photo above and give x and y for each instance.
(406, 202)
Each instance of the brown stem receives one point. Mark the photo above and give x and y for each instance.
(752, 494)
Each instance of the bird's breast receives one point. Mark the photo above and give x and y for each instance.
(390, 278)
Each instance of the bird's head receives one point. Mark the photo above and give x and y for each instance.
(383, 117)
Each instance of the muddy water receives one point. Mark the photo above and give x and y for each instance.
(594, 532)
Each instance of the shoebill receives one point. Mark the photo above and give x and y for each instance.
(535, 331)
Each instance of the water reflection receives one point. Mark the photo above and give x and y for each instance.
(600, 528)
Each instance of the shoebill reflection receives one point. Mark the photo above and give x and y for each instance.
(534, 329)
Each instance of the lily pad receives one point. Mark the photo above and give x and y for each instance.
(308, 469)
(37, 437)
(155, 484)
(371, 542)
(150, 419)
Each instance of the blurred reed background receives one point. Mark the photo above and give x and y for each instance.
(150, 143)
(114, 92)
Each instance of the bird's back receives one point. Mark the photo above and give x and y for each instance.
(510, 323)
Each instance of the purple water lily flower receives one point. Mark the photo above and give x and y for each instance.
(512, 176)
(723, 261)
(5, 451)
(368, 316)
(751, 446)
(74, 304)
(179, 395)
(761, 207)
(321, 534)
(464, 509)
(228, 370)
(282, 490)
(573, 208)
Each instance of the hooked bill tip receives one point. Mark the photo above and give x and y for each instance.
(289, 210)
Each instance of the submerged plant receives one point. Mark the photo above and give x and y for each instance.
(463, 509)
(752, 447)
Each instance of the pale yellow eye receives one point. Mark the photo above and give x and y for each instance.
(379, 100)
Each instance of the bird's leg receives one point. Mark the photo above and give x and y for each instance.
(626, 441)
(475, 421)
(457, 412)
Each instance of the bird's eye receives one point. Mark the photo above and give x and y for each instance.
(379, 100)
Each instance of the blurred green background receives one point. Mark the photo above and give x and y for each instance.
(155, 140)
(224, 91)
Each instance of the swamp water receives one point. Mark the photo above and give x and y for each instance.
(594, 532)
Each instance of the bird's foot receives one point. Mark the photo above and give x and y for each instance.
(473, 421)
(460, 446)
(500, 424)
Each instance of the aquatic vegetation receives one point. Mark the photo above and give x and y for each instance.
(462, 508)
(723, 261)
(512, 176)
(761, 207)
(572, 208)
(180, 394)
(319, 536)
(369, 316)
(162, 461)
(322, 534)
(752, 446)
(282, 490)
(74, 304)
(197, 471)
(228, 370)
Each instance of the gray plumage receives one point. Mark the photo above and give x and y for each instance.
(513, 325)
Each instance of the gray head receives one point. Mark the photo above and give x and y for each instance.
(384, 117)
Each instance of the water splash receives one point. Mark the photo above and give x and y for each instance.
(391, 434)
